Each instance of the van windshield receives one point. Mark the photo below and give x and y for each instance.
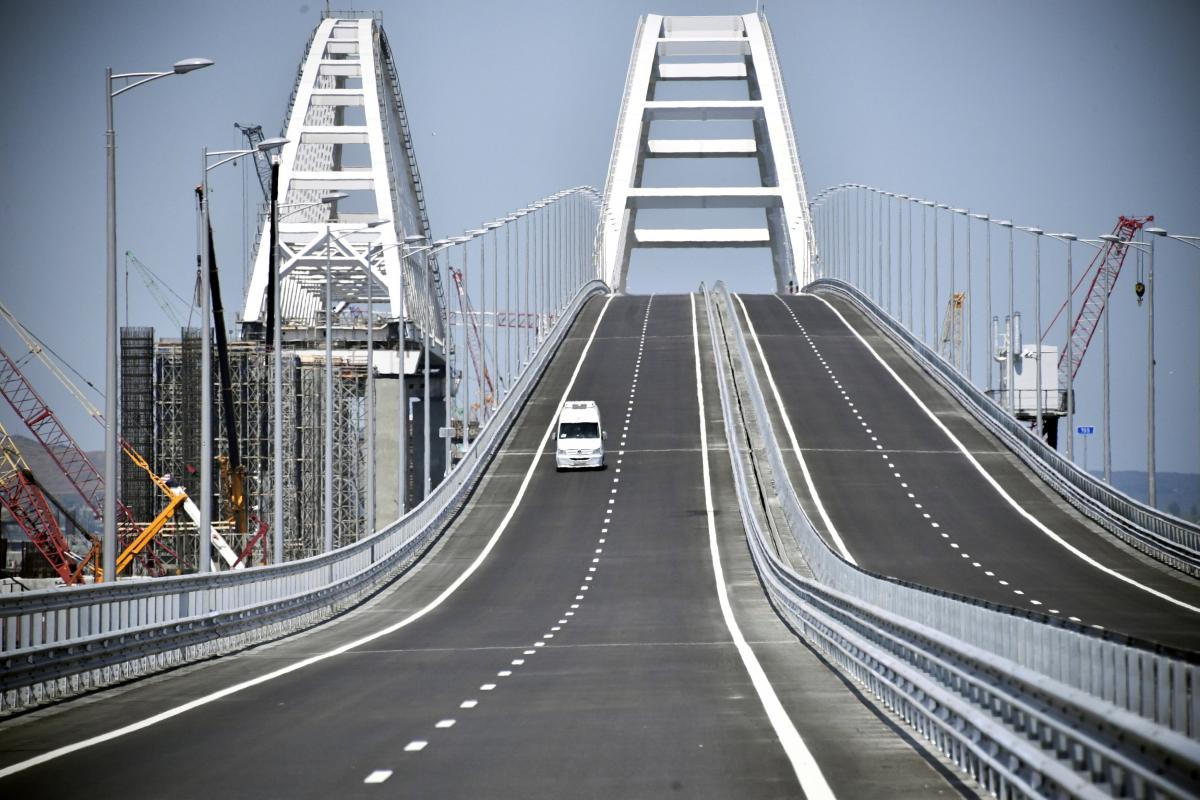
(579, 430)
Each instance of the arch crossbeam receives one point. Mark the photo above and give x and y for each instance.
(670, 49)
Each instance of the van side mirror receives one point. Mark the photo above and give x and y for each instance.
(604, 435)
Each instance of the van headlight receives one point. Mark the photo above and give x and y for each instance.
(598, 451)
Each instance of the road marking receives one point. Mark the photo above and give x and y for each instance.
(468, 704)
(378, 776)
(162, 716)
(415, 746)
(445, 723)
(787, 424)
(1075, 551)
(808, 772)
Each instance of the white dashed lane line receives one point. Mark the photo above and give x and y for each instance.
(889, 459)
(418, 745)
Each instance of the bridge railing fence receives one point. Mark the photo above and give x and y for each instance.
(1026, 704)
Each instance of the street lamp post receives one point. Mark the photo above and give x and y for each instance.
(1151, 434)
(988, 278)
(1037, 321)
(1010, 367)
(112, 334)
(1069, 239)
(204, 546)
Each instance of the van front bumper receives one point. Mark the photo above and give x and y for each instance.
(563, 461)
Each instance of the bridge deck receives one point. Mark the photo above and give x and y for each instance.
(964, 537)
(639, 693)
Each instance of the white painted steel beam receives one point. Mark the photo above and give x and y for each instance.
(703, 110)
(704, 237)
(699, 148)
(715, 46)
(693, 71)
(705, 197)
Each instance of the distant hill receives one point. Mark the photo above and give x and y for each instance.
(52, 479)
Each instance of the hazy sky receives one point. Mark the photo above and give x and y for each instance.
(1058, 114)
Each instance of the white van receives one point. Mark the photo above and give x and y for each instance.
(580, 436)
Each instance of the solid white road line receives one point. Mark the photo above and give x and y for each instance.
(1075, 551)
(808, 772)
(58, 752)
(787, 425)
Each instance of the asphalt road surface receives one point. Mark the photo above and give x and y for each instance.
(587, 655)
(906, 502)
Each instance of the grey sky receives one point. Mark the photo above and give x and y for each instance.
(1059, 114)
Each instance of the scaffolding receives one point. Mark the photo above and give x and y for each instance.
(176, 403)
(137, 419)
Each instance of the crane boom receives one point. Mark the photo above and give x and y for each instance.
(1101, 276)
(63, 450)
(20, 494)
(476, 346)
(189, 507)
(262, 162)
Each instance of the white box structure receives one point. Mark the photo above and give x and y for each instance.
(719, 48)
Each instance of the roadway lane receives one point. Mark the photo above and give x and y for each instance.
(585, 657)
(907, 503)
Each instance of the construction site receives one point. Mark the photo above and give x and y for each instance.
(340, 280)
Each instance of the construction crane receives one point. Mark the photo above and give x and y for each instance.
(21, 494)
(262, 162)
(1101, 276)
(66, 454)
(952, 329)
(155, 286)
(476, 346)
(175, 495)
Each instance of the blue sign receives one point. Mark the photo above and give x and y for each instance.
(1085, 430)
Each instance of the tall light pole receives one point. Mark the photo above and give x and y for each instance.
(1037, 317)
(1069, 239)
(1193, 242)
(936, 208)
(925, 206)
(1151, 433)
(112, 333)
(1010, 367)
(988, 277)
(277, 517)
(204, 545)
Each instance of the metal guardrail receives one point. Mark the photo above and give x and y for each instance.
(55, 643)
(1027, 708)
(1169, 539)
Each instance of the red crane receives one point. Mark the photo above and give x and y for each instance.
(1102, 273)
(21, 495)
(67, 455)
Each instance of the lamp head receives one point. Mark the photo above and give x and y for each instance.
(191, 65)
(272, 144)
(1156, 231)
(333, 197)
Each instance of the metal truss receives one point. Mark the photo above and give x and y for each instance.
(348, 133)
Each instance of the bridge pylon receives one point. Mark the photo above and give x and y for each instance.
(348, 133)
(671, 49)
